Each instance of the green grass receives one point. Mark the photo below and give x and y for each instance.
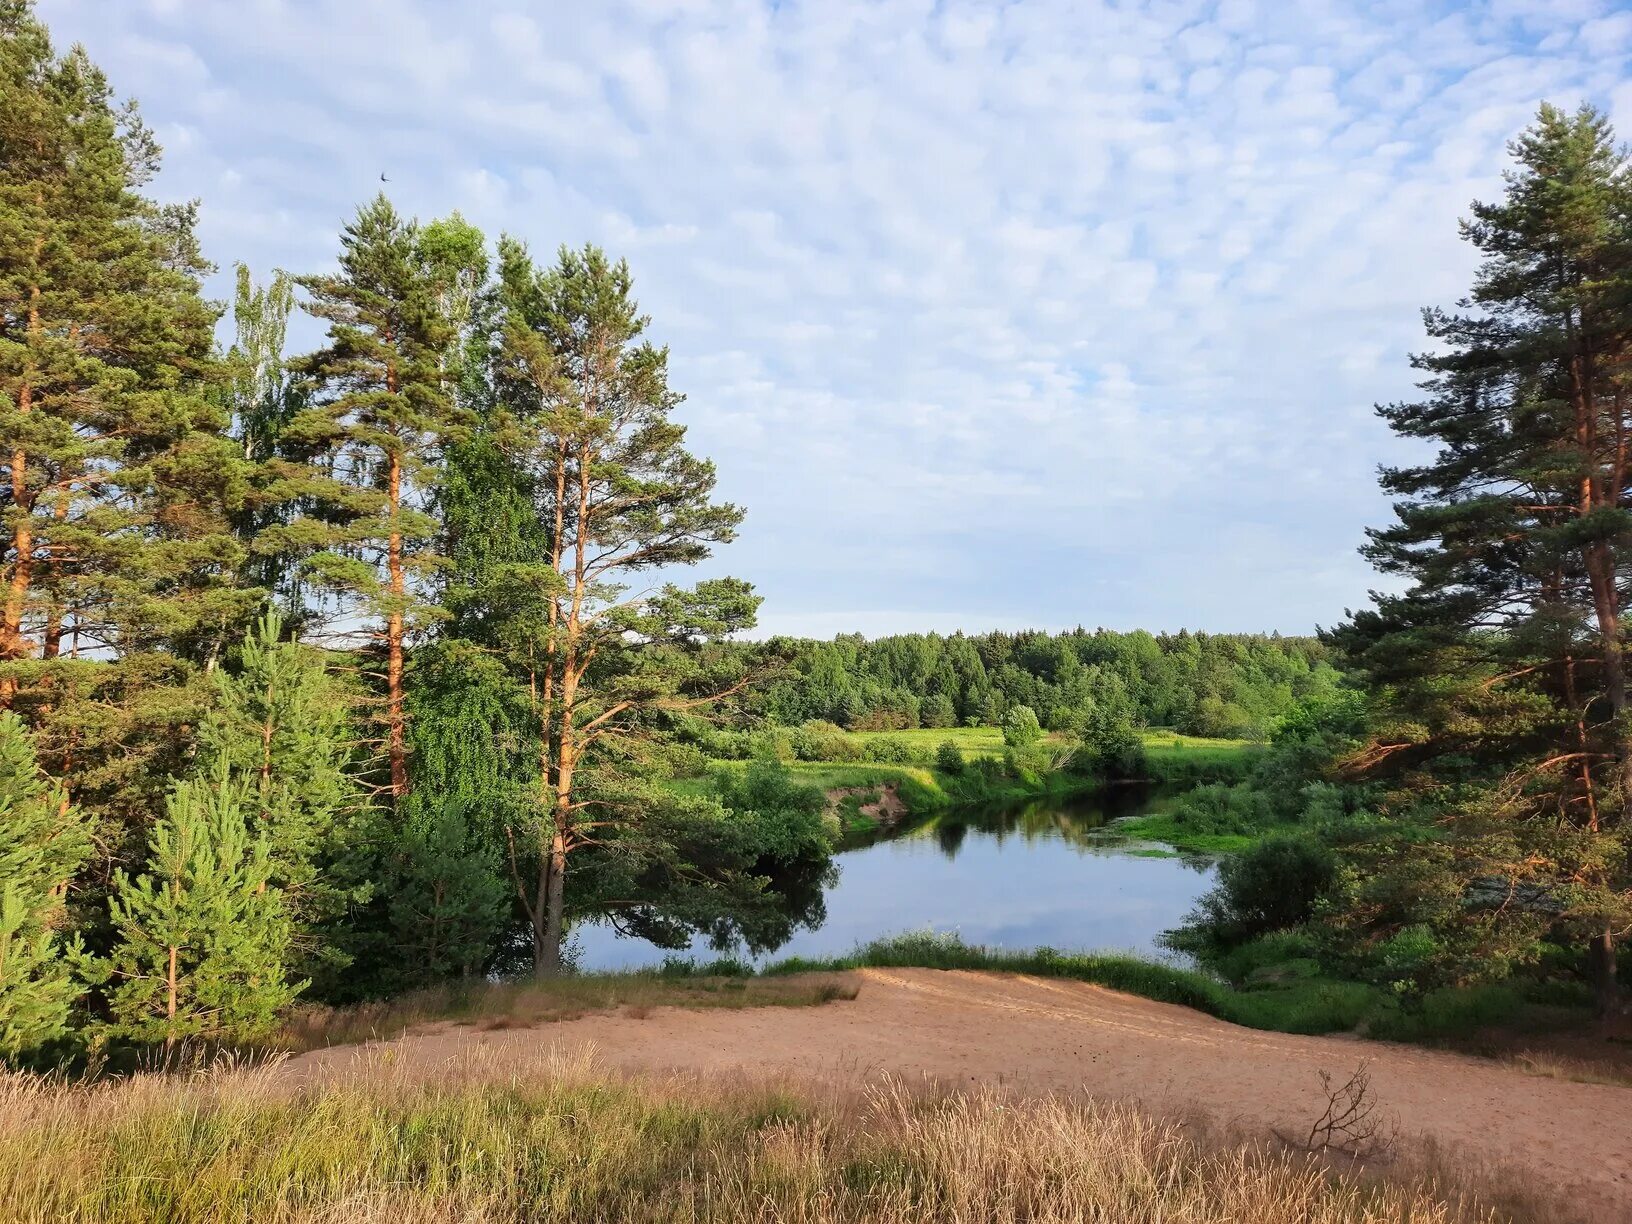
(988, 742)
(1161, 827)
(1171, 743)
(921, 788)
(971, 741)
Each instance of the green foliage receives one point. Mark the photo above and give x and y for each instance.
(1021, 729)
(745, 865)
(446, 897)
(115, 531)
(1503, 738)
(202, 935)
(281, 726)
(949, 758)
(1274, 885)
(911, 681)
(42, 843)
(1111, 748)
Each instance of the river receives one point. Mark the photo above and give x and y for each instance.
(1047, 872)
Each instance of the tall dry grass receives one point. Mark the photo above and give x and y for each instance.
(561, 1140)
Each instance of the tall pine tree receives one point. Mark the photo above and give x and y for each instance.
(1502, 670)
(118, 569)
(381, 407)
(618, 496)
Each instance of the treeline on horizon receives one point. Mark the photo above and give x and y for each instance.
(1205, 684)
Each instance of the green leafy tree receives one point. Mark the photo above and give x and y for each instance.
(202, 937)
(1021, 728)
(42, 844)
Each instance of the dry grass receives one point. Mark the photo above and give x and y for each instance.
(561, 1140)
(1565, 1067)
(488, 1007)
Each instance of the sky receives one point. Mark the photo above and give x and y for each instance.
(992, 315)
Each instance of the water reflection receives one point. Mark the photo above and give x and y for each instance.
(1046, 872)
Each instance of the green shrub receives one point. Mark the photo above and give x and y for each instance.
(1220, 809)
(824, 741)
(771, 744)
(1273, 885)
(1267, 951)
(949, 759)
(888, 750)
(1020, 727)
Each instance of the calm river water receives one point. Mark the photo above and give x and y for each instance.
(1046, 873)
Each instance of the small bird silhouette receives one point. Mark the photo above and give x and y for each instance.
(383, 179)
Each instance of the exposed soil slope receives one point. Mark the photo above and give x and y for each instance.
(1034, 1035)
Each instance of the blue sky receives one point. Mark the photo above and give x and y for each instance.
(992, 315)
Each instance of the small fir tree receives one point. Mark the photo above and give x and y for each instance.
(446, 893)
(202, 936)
(42, 844)
(281, 725)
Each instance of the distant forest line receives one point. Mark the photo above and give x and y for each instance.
(1205, 684)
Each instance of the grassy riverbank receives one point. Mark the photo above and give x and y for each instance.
(923, 788)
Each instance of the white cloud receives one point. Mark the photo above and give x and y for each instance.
(1059, 311)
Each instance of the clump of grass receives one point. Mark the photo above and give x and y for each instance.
(493, 1006)
(561, 1141)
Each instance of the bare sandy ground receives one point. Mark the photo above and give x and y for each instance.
(1030, 1035)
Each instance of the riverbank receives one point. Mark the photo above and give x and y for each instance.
(907, 781)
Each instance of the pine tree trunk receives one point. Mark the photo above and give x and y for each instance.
(51, 644)
(170, 1000)
(551, 909)
(396, 738)
(12, 643)
(1601, 959)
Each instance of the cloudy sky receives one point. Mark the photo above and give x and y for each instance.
(992, 314)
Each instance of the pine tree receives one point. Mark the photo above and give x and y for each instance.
(1501, 672)
(42, 844)
(617, 495)
(381, 406)
(118, 568)
(202, 937)
(446, 892)
(282, 725)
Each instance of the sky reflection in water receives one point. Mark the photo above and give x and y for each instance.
(1046, 873)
